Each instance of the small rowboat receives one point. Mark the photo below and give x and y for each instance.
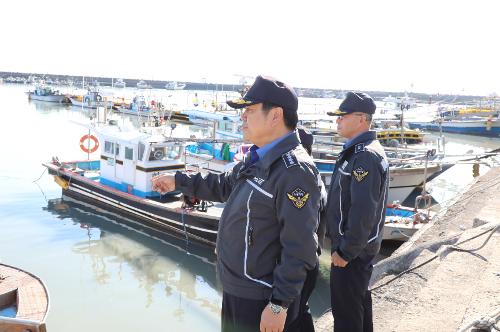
(24, 301)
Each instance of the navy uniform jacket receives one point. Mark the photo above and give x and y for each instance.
(357, 198)
(267, 238)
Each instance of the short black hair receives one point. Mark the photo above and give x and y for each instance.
(291, 117)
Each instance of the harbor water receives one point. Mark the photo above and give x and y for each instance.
(104, 272)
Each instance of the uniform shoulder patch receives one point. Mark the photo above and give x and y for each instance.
(289, 159)
(298, 197)
(360, 174)
(359, 147)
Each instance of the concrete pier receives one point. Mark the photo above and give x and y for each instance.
(454, 287)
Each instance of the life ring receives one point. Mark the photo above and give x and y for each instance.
(98, 98)
(92, 138)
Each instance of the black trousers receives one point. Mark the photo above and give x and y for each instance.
(243, 315)
(351, 299)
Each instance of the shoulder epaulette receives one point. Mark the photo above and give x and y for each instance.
(359, 147)
(290, 159)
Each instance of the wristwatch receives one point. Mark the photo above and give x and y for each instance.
(276, 308)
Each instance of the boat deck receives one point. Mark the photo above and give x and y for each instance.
(214, 211)
(29, 296)
(26, 291)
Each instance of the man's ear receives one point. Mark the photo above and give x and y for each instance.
(277, 115)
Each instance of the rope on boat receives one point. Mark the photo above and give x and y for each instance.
(44, 170)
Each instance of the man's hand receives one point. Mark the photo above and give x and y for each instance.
(271, 322)
(338, 261)
(163, 183)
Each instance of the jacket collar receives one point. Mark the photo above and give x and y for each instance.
(261, 167)
(367, 136)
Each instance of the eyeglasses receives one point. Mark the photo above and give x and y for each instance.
(341, 117)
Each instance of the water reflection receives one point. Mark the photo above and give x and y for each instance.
(152, 258)
(155, 259)
(45, 107)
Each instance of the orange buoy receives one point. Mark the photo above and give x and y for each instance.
(92, 138)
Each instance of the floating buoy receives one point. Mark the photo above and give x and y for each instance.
(92, 138)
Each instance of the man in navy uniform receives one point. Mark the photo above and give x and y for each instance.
(355, 213)
(266, 244)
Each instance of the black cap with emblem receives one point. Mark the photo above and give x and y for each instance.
(268, 90)
(355, 102)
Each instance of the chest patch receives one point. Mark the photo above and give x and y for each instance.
(298, 197)
(258, 180)
(360, 174)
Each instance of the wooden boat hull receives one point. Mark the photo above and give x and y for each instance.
(28, 294)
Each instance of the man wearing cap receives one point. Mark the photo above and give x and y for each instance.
(355, 213)
(266, 242)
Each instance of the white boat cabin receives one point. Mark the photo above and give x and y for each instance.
(129, 160)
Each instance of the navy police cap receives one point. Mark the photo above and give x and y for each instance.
(268, 90)
(356, 102)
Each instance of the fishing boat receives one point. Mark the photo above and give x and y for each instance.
(221, 119)
(92, 99)
(402, 222)
(143, 85)
(175, 86)
(47, 94)
(392, 136)
(24, 301)
(139, 107)
(474, 125)
(9, 79)
(119, 83)
(461, 113)
(120, 180)
(404, 177)
(396, 105)
(218, 158)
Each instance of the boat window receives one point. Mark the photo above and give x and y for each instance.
(157, 153)
(165, 153)
(117, 149)
(221, 125)
(140, 151)
(108, 147)
(174, 152)
(129, 153)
